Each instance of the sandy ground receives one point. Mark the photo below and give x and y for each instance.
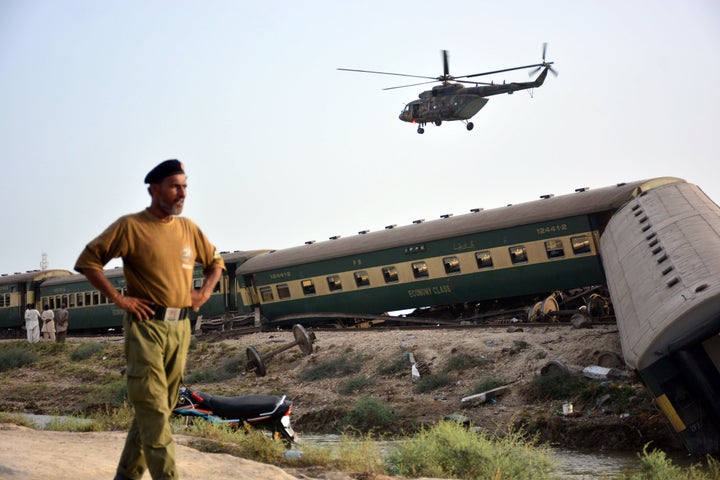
(93, 456)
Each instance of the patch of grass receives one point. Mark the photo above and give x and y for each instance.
(344, 364)
(356, 384)
(448, 450)
(229, 369)
(368, 414)
(113, 394)
(86, 350)
(118, 418)
(486, 383)
(72, 424)
(555, 387)
(654, 465)
(463, 361)
(16, 419)
(392, 366)
(16, 357)
(432, 382)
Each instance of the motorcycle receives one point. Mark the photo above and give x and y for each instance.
(268, 412)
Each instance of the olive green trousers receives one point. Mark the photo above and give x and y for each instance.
(156, 352)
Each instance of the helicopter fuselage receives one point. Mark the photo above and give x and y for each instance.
(454, 101)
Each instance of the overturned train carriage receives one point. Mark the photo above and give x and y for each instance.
(661, 254)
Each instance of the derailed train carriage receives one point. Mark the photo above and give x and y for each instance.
(482, 260)
(661, 254)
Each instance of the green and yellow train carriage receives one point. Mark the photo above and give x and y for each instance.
(88, 308)
(519, 250)
(19, 289)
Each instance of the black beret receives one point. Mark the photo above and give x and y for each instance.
(163, 170)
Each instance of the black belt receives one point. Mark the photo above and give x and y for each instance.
(169, 314)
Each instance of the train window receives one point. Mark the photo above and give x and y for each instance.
(452, 264)
(390, 274)
(308, 287)
(518, 254)
(420, 269)
(197, 283)
(334, 282)
(283, 291)
(580, 244)
(554, 248)
(2, 300)
(266, 294)
(79, 299)
(71, 300)
(484, 259)
(362, 279)
(88, 298)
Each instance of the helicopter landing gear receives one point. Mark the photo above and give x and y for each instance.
(438, 123)
(469, 126)
(421, 130)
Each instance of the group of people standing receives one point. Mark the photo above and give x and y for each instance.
(53, 329)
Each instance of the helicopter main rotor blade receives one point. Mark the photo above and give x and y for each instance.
(446, 67)
(387, 73)
(412, 85)
(506, 70)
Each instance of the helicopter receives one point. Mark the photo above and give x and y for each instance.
(453, 101)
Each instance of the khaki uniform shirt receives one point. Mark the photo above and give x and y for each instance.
(158, 257)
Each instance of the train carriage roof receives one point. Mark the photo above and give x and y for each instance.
(582, 202)
(35, 275)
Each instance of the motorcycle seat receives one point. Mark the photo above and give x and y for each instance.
(245, 406)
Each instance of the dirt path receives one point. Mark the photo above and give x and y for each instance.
(91, 456)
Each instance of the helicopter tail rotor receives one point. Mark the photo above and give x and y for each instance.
(544, 64)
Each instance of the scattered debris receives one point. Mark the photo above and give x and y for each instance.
(596, 372)
(554, 367)
(486, 396)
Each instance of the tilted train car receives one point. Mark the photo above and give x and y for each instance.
(18, 290)
(530, 248)
(661, 254)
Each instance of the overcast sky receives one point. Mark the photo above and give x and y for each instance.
(280, 147)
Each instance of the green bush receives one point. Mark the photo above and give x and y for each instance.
(86, 350)
(392, 366)
(432, 382)
(448, 450)
(486, 383)
(558, 386)
(463, 361)
(654, 465)
(229, 369)
(16, 357)
(356, 384)
(368, 414)
(343, 364)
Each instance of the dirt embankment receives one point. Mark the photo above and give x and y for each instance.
(515, 358)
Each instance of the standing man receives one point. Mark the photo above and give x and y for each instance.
(62, 323)
(48, 327)
(32, 323)
(159, 251)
